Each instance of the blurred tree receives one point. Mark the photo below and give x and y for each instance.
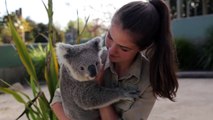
(16, 17)
(191, 7)
(6, 35)
(40, 31)
(28, 26)
(93, 28)
(96, 27)
(58, 34)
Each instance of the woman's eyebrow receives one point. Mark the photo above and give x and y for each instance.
(121, 46)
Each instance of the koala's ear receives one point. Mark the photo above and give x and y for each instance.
(96, 43)
(64, 50)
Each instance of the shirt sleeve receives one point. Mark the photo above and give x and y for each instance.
(142, 107)
(57, 97)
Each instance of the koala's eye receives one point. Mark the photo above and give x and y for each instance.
(96, 63)
(82, 68)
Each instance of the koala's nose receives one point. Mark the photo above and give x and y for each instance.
(92, 70)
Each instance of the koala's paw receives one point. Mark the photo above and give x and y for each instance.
(131, 94)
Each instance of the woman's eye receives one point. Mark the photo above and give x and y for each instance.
(125, 50)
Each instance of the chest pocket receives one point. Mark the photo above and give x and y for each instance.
(123, 106)
(129, 84)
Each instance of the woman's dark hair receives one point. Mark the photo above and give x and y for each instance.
(149, 23)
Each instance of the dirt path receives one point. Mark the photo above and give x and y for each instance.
(194, 102)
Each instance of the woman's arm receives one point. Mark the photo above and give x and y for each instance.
(59, 111)
(57, 107)
(106, 113)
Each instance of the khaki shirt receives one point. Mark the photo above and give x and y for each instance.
(136, 79)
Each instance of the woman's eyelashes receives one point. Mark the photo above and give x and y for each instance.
(124, 49)
(109, 36)
(120, 47)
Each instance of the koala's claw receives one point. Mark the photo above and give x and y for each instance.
(132, 94)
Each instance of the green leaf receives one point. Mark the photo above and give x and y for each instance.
(4, 82)
(33, 86)
(45, 107)
(22, 51)
(14, 94)
(51, 73)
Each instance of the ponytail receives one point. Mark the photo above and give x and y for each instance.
(162, 62)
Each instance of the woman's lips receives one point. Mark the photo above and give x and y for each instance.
(112, 56)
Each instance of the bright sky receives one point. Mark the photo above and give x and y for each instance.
(64, 10)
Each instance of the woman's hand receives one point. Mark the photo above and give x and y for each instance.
(108, 113)
(99, 76)
(59, 111)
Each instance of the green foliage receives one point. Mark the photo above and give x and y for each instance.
(187, 54)
(5, 35)
(38, 55)
(84, 30)
(78, 28)
(195, 56)
(51, 69)
(206, 59)
(38, 107)
(1, 42)
(22, 51)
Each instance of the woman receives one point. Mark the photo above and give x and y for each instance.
(141, 57)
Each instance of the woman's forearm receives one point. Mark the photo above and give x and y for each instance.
(108, 113)
(59, 111)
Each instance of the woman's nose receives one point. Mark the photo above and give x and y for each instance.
(113, 48)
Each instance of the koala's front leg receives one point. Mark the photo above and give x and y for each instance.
(95, 96)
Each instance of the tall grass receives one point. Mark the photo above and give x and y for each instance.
(38, 107)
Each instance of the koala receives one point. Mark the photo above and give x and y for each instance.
(81, 95)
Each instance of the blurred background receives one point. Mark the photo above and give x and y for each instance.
(192, 29)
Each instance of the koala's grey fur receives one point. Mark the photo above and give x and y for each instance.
(81, 95)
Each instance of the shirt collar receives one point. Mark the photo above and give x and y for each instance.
(135, 69)
(109, 65)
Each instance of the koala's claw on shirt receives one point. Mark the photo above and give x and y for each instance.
(132, 94)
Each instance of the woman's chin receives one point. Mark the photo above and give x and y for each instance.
(114, 60)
